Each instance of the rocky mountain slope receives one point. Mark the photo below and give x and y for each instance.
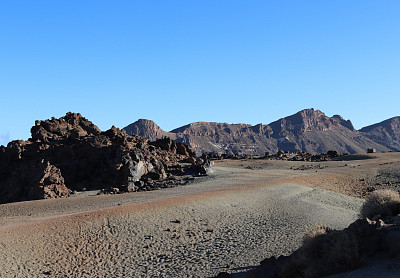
(147, 129)
(308, 131)
(386, 133)
(72, 154)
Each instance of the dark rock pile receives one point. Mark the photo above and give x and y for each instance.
(221, 156)
(332, 251)
(280, 155)
(72, 154)
(169, 145)
(302, 156)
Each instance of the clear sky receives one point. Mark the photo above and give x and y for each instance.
(177, 62)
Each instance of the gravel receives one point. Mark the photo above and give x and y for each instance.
(229, 221)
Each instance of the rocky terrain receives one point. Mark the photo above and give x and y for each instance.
(327, 252)
(72, 154)
(306, 131)
(228, 221)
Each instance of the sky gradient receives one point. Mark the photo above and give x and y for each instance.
(177, 62)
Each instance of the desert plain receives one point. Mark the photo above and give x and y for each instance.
(228, 221)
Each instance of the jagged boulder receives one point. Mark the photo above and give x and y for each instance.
(46, 182)
(169, 145)
(72, 125)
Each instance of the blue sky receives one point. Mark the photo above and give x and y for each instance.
(177, 62)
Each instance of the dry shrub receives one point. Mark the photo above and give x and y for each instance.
(326, 252)
(345, 253)
(318, 230)
(383, 201)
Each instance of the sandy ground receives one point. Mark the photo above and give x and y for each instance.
(230, 221)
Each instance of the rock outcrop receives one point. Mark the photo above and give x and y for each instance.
(308, 131)
(72, 125)
(147, 129)
(72, 154)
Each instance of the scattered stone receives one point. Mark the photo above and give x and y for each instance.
(280, 155)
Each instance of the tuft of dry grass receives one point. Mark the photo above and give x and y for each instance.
(318, 230)
(383, 201)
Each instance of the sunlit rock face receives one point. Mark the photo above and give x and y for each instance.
(308, 130)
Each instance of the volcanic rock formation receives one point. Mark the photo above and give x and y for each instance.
(71, 153)
(306, 131)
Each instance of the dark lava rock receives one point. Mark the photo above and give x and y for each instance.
(280, 155)
(169, 145)
(72, 154)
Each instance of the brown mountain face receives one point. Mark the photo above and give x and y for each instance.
(386, 132)
(312, 131)
(308, 130)
(147, 129)
(308, 120)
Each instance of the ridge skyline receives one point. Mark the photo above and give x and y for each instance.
(308, 130)
(265, 123)
(6, 136)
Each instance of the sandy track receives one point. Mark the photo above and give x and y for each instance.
(226, 179)
(227, 222)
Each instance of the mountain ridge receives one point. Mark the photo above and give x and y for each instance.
(308, 130)
(387, 132)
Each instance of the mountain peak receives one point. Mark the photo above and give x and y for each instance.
(145, 128)
(310, 112)
(308, 120)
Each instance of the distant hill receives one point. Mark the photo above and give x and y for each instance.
(147, 129)
(308, 130)
(386, 133)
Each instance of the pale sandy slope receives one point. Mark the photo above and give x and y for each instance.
(227, 222)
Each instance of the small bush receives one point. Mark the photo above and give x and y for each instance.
(318, 230)
(384, 202)
(346, 253)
